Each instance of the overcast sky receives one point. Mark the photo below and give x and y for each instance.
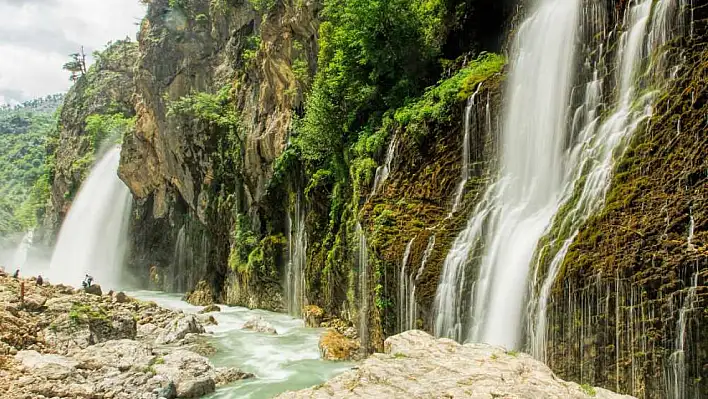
(36, 37)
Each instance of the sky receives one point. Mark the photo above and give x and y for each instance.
(37, 36)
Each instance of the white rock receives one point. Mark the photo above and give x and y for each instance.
(416, 365)
(259, 324)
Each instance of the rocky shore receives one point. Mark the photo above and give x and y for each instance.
(57, 342)
(417, 365)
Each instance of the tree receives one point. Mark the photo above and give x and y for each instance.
(77, 65)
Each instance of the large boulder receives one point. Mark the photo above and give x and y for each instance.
(417, 365)
(34, 302)
(94, 290)
(179, 328)
(122, 354)
(335, 346)
(202, 295)
(191, 373)
(210, 309)
(259, 324)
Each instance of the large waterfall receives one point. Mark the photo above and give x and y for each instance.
(93, 236)
(557, 155)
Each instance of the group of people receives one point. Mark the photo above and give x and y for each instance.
(88, 279)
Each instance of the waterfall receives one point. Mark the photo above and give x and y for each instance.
(297, 260)
(465, 167)
(405, 317)
(363, 288)
(691, 227)
(556, 164)
(19, 258)
(521, 204)
(383, 171)
(182, 261)
(676, 381)
(93, 236)
(599, 144)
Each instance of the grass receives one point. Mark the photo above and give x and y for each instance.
(589, 390)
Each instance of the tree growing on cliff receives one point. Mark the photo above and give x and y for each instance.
(77, 65)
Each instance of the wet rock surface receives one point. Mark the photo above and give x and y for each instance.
(259, 324)
(417, 365)
(58, 343)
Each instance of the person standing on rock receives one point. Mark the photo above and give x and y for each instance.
(17, 274)
(87, 281)
(40, 280)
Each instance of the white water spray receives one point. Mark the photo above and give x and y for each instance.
(465, 167)
(93, 236)
(19, 258)
(405, 282)
(297, 253)
(521, 207)
(363, 288)
(384, 170)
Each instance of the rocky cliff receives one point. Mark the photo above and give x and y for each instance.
(94, 113)
(628, 310)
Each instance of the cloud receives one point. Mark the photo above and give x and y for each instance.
(36, 37)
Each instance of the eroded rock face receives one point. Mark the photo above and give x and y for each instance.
(417, 365)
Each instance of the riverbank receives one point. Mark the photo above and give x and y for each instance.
(59, 342)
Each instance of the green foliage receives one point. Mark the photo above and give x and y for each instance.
(244, 243)
(26, 136)
(210, 108)
(102, 127)
(263, 6)
(588, 389)
(437, 101)
(373, 55)
(84, 312)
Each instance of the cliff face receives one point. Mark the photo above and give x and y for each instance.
(106, 90)
(628, 308)
(193, 178)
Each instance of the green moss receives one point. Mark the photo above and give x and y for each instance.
(588, 390)
(83, 312)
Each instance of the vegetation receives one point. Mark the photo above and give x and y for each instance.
(26, 131)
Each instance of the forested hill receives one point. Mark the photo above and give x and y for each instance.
(24, 134)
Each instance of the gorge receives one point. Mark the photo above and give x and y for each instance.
(529, 174)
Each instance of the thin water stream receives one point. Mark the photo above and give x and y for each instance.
(287, 361)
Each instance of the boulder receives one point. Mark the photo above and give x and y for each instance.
(122, 354)
(201, 296)
(179, 328)
(313, 315)
(192, 374)
(417, 365)
(227, 375)
(210, 309)
(207, 320)
(259, 324)
(34, 302)
(120, 297)
(335, 346)
(94, 290)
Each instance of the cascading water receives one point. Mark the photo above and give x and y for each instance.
(297, 259)
(363, 288)
(676, 378)
(547, 165)
(19, 258)
(384, 170)
(405, 281)
(93, 236)
(521, 205)
(600, 143)
(465, 167)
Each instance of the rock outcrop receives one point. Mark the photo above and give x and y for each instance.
(259, 324)
(417, 365)
(77, 345)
